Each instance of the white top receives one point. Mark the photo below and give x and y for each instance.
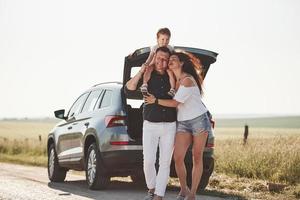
(190, 105)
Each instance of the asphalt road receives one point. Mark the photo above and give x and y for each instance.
(27, 182)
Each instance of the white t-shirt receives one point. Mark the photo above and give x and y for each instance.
(190, 105)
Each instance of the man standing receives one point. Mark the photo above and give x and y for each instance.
(159, 126)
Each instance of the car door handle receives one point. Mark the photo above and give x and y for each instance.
(87, 124)
(74, 123)
(70, 127)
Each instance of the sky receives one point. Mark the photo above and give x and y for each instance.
(51, 51)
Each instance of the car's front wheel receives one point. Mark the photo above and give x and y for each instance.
(95, 172)
(55, 172)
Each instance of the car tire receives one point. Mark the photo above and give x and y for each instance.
(55, 172)
(205, 176)
(207, 171)
(138, 178)
(95, 172)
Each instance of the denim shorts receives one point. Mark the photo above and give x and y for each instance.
(196, 126)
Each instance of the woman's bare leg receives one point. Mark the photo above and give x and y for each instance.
(182, 142)
(199, 141)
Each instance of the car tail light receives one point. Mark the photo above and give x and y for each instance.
(212, 123)
(210, 145)
(121, 139)
(114, 120)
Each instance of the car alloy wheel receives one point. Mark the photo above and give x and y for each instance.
(92, 166)
(51, 162)
(55, 172)
(96, 177)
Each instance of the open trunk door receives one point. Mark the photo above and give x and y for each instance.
(134, 61)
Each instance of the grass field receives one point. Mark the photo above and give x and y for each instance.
(291, 122)
(19, 141)
(225, 128)
(22, 129)
(272, 152)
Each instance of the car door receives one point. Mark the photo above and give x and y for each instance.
(65, 130)
(134, 61)
(83, 121)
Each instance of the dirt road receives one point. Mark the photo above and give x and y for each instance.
(27, 182)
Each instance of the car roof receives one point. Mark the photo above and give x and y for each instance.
(106, 85)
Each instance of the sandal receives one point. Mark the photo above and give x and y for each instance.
(172, 92)
(144, 88)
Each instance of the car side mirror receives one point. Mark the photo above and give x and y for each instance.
(60, 114)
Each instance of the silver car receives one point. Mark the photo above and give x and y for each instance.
(102, 131)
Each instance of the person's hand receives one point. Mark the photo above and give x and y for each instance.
(149, 69)
(149, 99)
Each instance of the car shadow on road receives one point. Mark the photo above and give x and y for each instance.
(79, 187)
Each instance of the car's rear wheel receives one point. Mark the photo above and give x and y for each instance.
(55, 172)
(95, 172)
(138, 178)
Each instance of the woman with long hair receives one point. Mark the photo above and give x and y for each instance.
(193, 124)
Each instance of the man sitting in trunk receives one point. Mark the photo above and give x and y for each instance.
(159, 125)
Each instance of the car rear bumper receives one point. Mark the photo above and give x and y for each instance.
(123, 161)
(127, 162)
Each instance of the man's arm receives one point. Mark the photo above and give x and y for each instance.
(150, 99)
(132, 83)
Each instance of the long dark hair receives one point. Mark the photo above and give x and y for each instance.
(191, 65)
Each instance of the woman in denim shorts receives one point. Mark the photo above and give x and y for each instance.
(193, 124)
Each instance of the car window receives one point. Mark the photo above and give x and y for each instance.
(91, 101)
(134, 71)
(106, 101)
(76, 108)
(135, 103)
(99, 99)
